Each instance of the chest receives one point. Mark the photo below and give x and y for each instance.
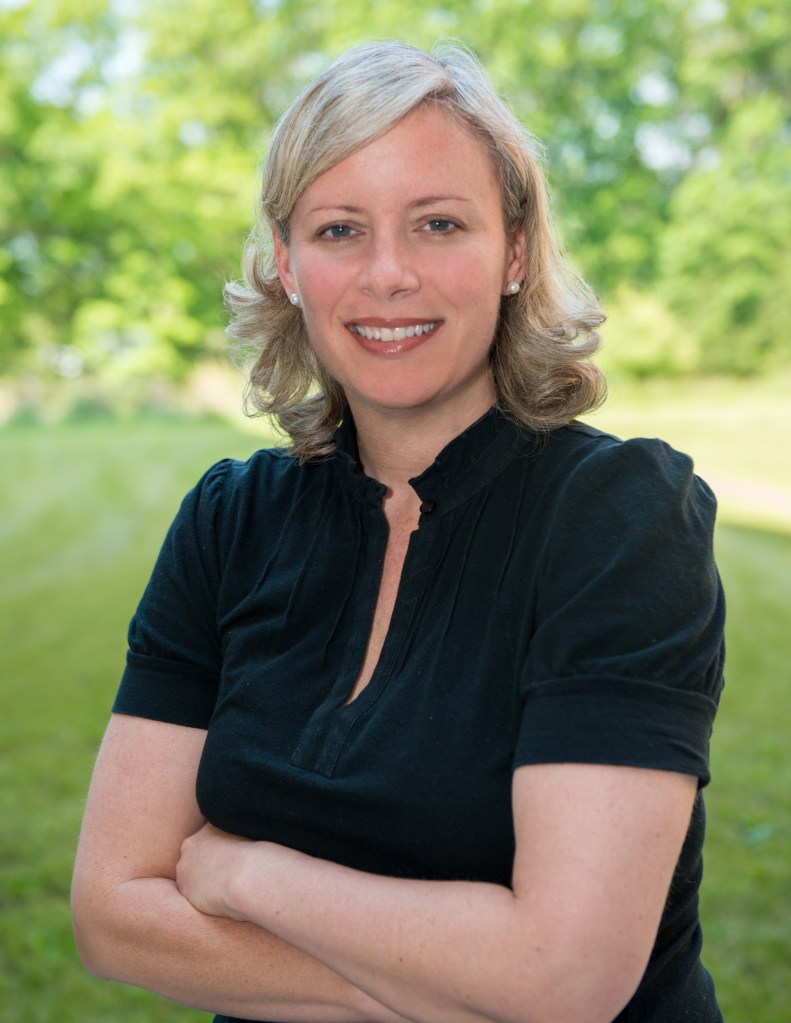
(393, 561)
(429, 645)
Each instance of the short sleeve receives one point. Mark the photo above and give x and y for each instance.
(625, 663)
(174, 658)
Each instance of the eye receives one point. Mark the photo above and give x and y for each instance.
(337, 232)
(439, 225)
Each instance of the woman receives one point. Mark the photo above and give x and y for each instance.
(441, 677)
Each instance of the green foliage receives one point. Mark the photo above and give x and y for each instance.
(729, 281)
(130, 134)
(643, 337)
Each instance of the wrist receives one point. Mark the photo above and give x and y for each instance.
(240, 881)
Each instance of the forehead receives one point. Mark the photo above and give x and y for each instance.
(428, 149)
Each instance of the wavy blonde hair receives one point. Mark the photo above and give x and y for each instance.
(545, 335)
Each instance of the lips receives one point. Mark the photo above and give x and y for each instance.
(393, 333)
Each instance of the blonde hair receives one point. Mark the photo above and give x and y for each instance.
(541, 371)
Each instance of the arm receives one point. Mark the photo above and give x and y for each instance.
(130, 922)
(568, 943)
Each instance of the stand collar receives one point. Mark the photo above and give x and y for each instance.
(463, 467)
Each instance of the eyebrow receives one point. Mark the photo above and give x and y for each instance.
(428, 200)
(431, 199)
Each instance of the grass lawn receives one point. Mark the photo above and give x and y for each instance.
(740, 438)
(82, 512)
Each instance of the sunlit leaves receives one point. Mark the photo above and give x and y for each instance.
(131, 130)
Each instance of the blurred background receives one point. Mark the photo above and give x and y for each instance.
(131, 135)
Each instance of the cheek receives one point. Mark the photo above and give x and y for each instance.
(315, 275)
(475, 279)
(322, 292)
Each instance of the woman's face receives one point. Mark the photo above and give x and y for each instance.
(400, 257)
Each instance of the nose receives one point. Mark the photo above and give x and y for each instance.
(389, 268)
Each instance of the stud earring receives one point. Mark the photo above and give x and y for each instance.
(294, 298)
(513, 287)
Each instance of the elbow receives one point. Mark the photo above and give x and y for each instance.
(91, 918)
(91, 950)
(599, 1002)
(89, 954)
(569, 981)
(589, 991)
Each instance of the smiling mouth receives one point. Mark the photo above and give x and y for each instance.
(393, 333)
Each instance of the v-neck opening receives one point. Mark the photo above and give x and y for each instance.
(466, 465)
(322, 740)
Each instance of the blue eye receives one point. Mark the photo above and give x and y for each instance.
(338, 231)
(440, 226)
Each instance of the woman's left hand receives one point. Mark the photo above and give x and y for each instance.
(209, 861)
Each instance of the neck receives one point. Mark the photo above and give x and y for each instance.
(397, 445)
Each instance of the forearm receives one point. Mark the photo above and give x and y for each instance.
(568, 944)
(433, 951)
(145, 933)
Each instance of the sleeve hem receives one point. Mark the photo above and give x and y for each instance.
(618, 721)
(166, 691)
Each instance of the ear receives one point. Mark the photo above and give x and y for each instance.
(515, 257)
(283, 262)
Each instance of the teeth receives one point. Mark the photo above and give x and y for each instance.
(394, 334)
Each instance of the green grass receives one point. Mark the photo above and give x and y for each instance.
(82, 513)
(747, 898)
(738, 434)
(740, 437)
(83, 509)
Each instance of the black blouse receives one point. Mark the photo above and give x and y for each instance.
(558, 603)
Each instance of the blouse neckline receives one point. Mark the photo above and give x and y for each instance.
(467, 464)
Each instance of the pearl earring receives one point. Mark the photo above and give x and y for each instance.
(294, 298)
(513, 287)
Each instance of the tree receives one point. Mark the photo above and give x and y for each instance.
(130, 134)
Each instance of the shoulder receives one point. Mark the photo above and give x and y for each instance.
(230, 476)
(629, 507)
(236, 504)
(233, 484)
(584, 450)
(585, 470)
(627, 592)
